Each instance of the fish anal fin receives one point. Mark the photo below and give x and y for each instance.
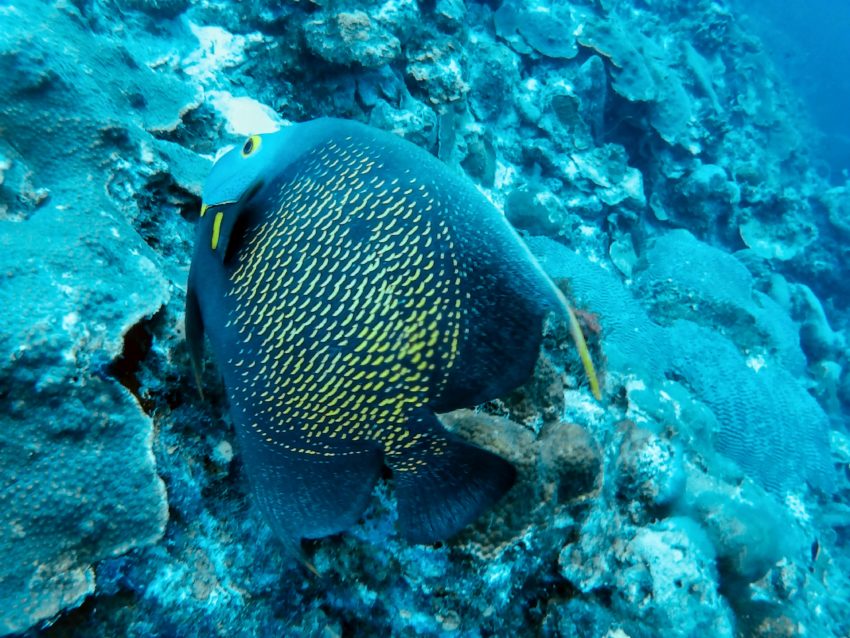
(312, 495)
(444, 483)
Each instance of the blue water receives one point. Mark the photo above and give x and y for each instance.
(809, 40)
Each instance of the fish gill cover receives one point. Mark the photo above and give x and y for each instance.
(663, 169)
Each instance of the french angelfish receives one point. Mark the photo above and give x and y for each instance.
(351, 285)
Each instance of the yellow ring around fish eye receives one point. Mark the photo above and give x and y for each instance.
(251, 145)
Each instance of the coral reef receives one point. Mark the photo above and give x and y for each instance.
(668, 172)
(79, 477)
(766, 421)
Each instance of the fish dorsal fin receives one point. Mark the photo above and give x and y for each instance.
(580, 343)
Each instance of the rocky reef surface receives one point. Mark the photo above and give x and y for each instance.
(663, 175)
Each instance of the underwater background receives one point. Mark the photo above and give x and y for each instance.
(680, 168)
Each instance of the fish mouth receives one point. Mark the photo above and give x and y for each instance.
(206, 207)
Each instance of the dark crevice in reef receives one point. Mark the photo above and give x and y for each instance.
(544, 596)
(626, 124)
(162, 197)
(90, 618)
(753, 616)
(352, 626)
(115, 136)
(194, 130)
(166, 212)
(138, 341)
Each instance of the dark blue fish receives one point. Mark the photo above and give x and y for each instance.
(351, 286)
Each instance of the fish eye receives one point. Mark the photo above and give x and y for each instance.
(252, 145)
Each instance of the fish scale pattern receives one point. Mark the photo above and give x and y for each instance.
(347, 299)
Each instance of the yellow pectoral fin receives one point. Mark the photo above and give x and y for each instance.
(216, 231)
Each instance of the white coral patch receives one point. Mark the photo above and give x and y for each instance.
(756, 362)
(797, 507)
(244, 115)
(581, 405)
(70, 320)
(219, 49)
(505, 175)
(677, 407)
(633, 184)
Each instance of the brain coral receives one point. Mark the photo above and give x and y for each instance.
(768, 423)
(680, 277)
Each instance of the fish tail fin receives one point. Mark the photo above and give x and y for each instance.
(444, 483)
(581, 345)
